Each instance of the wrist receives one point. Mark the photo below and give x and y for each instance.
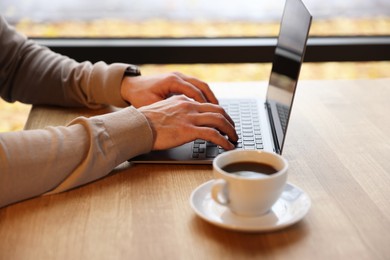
(130, 72)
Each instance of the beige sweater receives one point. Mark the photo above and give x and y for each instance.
(55, 159)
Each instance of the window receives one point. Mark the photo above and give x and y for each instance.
(210, 20)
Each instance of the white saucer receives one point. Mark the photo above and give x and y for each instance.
(291, 207)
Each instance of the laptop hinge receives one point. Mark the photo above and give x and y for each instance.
(273, 129)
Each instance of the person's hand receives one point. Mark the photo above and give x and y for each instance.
(145, 90)
(179, 120)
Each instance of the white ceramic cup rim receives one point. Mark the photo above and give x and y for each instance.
(236, 156)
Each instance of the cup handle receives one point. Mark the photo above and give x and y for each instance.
(219, 192)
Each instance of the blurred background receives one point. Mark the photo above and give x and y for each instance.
(197, 18)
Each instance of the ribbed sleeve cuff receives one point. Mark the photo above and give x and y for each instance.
(130, 133)
(106, 82)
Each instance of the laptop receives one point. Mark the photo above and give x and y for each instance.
(260, 123)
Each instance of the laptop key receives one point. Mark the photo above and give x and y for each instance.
(210, 144)
(259, 146)
(199, 141)
(195, 155)
(212, 152)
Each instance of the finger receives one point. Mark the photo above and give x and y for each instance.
(187, 89)
(212, 135)
(203, 86)
(216, 121)
(203, 108)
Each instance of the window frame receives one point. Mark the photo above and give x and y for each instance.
(216, 50)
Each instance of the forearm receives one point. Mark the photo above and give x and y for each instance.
(55, 159)
(33, 74)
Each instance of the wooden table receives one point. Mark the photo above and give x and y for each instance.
(338, 147)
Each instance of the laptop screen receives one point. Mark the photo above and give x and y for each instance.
(289, 53)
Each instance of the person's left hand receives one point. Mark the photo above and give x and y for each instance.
(145, 90)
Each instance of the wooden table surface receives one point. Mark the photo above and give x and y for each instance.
(338, 148)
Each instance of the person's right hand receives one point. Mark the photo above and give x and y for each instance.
(179, 120)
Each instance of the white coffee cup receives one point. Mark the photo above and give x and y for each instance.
(248, 193)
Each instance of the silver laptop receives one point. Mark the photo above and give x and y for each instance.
(260, 123)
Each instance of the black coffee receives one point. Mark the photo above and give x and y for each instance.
(249, 169)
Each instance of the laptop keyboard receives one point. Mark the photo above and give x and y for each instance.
(245, 116)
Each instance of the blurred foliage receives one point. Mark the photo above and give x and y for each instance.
(12, 116)
(166, 28)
